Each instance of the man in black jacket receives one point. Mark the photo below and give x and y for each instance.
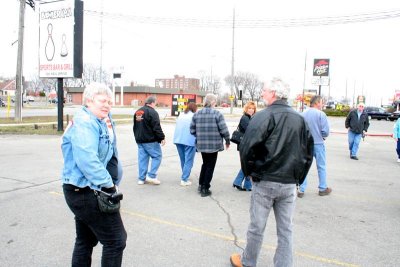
(357, 123)
(276, 152)
(148, 135)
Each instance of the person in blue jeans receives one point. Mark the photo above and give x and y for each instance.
(185, 142)
(148, 135)
(276, 153)
(242, 182)
(317, 121)
(91, 164)
(357, 123)
(396, 136)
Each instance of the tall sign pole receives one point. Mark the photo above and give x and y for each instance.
(233, 61)
(60, 45)
(18, 76)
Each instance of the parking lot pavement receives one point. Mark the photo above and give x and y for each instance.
(170, 225)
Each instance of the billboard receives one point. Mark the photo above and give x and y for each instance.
(321, 67)
(180, 101)
(60, 39)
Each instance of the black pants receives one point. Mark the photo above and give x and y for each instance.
(93, 226)
(207, 169)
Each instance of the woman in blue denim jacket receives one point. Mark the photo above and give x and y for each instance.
(90, 155)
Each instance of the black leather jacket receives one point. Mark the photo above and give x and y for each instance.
(277, 146)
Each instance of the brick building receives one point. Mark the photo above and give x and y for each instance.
(135, 95)
(178, 82)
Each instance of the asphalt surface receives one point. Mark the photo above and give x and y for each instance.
(169, 225)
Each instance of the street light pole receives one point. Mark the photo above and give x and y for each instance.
(233, 61)
(18, 76)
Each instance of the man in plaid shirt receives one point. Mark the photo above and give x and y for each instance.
(209, 127)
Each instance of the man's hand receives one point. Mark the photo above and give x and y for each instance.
(227, 146)
(163, 142)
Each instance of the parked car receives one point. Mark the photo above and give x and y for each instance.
(23, 99)
(377, 113)
(225, 105)
(394, 116)
(30, 98)
(2, 104)
(53, 100)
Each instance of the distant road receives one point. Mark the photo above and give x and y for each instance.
(70, 110)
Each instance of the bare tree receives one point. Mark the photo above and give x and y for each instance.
(90, 74)
(252, 85)
(239, 84)
(49, 84)
(36, 84)
(216, 85)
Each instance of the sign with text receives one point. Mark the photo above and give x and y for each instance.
(321, 67)
(180, 101)
(60, 41)
(320, 81)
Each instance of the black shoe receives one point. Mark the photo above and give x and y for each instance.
(205, 192)
(239, 187)
(354, 157)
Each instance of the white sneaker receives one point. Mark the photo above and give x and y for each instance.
(398, 160)
(186, 183)
(140, 182)
(154, 181)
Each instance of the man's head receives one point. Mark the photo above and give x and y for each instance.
(151, 101)
(316, 102)
(274, 90)
(210, 100)
(360, 107)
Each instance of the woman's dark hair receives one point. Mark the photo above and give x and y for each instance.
(191, 106)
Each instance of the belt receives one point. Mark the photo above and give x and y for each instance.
(77, 189)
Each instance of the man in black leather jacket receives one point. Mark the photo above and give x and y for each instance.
(276, 152)
(357, 123)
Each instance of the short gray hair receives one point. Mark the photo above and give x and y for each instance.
(150, 100)
(94, 89)
(280, 88)
(209, 99)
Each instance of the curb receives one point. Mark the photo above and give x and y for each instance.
(366, 134)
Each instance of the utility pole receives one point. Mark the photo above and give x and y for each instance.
(18, 76)
(233, 61)
(304, 82)
(101, 42)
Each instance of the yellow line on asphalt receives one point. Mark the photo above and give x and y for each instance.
(224, 237)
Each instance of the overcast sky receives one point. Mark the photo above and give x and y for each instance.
(157, 39)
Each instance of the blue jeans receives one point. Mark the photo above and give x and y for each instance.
(266, 196)
(186, 155)
(398, 148)
(145, 152)
(354, 142)
(239, 180)
(93, 226)
(320, 158)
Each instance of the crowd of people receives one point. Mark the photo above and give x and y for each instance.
(276, 153)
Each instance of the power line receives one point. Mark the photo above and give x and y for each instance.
(251, 23)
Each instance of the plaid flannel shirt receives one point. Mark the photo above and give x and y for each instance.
(209, 127)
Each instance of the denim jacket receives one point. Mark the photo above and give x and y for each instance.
(87, 149)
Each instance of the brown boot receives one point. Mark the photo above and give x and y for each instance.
(236, 260)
